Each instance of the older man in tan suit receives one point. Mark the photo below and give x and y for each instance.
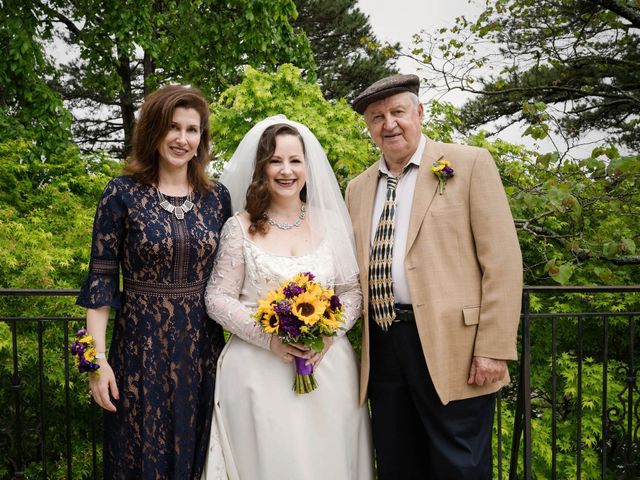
(439, 331)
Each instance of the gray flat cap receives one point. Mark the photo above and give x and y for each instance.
(385, 88)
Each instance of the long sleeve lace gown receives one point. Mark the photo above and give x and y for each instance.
(266, 431)
(164, 349)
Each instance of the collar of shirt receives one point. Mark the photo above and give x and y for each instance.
(415, 158)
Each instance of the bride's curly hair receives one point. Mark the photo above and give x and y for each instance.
(258, 197)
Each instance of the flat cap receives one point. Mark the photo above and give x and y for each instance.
(385, 88)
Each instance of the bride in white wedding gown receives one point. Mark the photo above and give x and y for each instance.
(295, 221)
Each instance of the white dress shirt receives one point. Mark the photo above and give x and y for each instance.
(404, 199)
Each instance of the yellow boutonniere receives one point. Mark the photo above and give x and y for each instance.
(442, 169)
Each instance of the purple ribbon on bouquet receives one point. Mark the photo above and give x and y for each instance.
(301, 368)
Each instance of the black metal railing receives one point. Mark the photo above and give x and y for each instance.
(620, 415)
(17, 431)
(24, 428)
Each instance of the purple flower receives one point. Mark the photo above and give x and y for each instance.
(310, 275)
(335, 302)
(282, 307)
(81, 333)
(292, 290)
(448, 171)
(290, 324)
(77, 348)
(85, 366)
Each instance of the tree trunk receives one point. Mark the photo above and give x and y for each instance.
(127, 105)
(149, 69)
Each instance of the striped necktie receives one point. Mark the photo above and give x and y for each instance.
(380, 281)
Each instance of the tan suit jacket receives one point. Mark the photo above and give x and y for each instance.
(463, 266)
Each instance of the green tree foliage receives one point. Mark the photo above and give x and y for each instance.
(335, 124)
(30, 110)
(577, 219)
(347, 53)
(45, 237)
(127, 49)
(581, 56)
(47, 200)
(567, 67)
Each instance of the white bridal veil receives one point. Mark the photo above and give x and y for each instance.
(326, 210)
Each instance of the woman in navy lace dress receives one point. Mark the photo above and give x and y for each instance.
(159, 225)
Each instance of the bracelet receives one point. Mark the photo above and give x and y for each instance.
(84, 353)
(101, 355)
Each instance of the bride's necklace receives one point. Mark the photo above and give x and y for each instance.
(178, 211)
(286, 226)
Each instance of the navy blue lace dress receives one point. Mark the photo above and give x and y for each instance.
(164, 349)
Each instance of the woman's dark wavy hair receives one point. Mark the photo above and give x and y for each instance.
(258, 197)
(151, 128)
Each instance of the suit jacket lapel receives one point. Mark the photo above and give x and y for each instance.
(425, 191)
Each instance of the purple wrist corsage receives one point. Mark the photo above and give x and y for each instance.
(84, 353)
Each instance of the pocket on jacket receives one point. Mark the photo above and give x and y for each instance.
(450, 210)
(471, 315)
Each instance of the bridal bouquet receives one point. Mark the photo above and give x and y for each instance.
(301, 311)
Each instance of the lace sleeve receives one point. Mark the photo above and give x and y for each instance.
(224, 287)
(351, 296)
(101, 286)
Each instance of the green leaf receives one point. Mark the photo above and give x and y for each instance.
(559, 273)
(611, 249)
(629, 165)
(564, 273)
(317, 344)
(627, 246)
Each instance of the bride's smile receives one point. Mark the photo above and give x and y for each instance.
(285, 171)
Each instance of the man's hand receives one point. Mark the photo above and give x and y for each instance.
(486, 370)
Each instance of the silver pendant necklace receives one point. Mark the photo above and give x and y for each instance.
(286, 226)
(178, 211)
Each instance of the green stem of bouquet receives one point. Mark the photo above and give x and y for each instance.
(304, 384)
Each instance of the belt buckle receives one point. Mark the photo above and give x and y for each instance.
(402, 315)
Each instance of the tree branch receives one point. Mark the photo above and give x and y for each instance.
(631, 14)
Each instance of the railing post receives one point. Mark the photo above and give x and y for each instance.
(526, 383)
(16, 386)
(630, 459)
(42, 420)
(67, 400)
(499, 428)
(522, 417)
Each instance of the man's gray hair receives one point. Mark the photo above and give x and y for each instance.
(414, 98)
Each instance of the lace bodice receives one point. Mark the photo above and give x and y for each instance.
(245, 272)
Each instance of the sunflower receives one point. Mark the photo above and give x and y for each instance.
(270, 322)
(315, 290)
(308, 308)
(274, 296)
(440, 165)
(265, 306)
(90, 354)
(299, 279)
(329, 323)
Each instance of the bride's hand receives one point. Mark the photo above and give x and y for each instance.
(286, 351)
(316, 357)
